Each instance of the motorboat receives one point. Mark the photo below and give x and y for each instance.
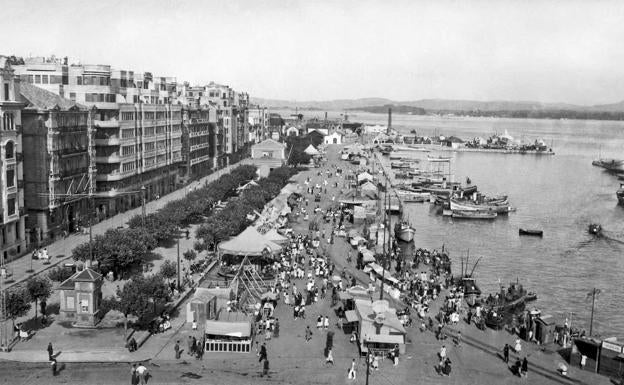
(595, 229)
(466, 206)
(533, 232)
(413, 196)
(404, 231)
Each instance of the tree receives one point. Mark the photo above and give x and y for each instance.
(17, 304)
(298, 157)
(190, 255)
(168, 270)
(118, 250)
(137, 295)
(39, 289)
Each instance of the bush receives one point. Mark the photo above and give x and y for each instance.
(60, 274)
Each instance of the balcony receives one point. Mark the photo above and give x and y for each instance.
(114, 176)
(113, 158)
(113, 123)
(111, 141)
(12, 218)
(10, 161)
(11, 189)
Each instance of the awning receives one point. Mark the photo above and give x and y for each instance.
(351, 316)
(367, 256)
(230, 329)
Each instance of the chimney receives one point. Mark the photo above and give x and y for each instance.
(389, 120)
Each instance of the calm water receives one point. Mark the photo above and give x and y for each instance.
(560, 194)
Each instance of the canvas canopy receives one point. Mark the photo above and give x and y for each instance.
(310, 150)
(230, 329)
(273, 236)
(249, 242)
(367, 256)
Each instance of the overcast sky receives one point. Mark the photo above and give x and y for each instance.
(551, 51)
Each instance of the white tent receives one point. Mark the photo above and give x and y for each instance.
(364, 176)
(249, 242)
(311, 150)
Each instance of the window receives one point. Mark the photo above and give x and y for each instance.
(127, 116)
(44, 79)
(72, 96)
(11, 206)
(127, 133)
(6, 91)
(84, 305)
(37, 79)
(128, 166)
(70, 303)
(9, 150)
(127, 150)
(30, 79)
(10, 177)
(79, 80)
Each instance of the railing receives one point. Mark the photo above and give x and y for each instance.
(228, 346)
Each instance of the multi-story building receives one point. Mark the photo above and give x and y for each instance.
(258, 121)
(138, 132)
(59, 171)
(12, 213)
(199, 125)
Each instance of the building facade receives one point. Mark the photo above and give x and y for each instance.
(58, 171)
(13, 239)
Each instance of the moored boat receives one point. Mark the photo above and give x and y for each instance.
(533, 232)
(404, 232)
(469, 206)
(595, 229)
(620, 195)
(413, 196)
(459, 214)
(615, 165)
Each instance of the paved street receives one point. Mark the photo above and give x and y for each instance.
(61, 250)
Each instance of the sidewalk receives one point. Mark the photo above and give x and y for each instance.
(61, 250)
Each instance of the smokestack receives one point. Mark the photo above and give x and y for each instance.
(389, 120)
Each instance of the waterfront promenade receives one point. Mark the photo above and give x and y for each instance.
(60, 251)
(295, 362)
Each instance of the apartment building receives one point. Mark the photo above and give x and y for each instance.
(58, 171)
(13, 240)
(138, 132)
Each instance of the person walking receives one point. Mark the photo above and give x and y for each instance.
(142, 374)
(190, 345)
(265, 368)
(53, 366)
(351, 375)
(276, 328)
(443, 352)
(525, 368)
(263, 352)
(50, 351)
(506, 353)
(308, 333)
(176, 349)
(133, 375)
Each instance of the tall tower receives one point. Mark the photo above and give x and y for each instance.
(389, 121)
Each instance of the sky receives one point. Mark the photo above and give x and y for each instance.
(567, 51)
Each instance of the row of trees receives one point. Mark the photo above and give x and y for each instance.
(163, 223)
(233, 219)
(122, 250)
(19, 300)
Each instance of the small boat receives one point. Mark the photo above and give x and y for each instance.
(404, 232)
(413, 196)
(614, 165)
(620, 194)
(401, 164)
(535, 233)
(595, 229)
(458, 214)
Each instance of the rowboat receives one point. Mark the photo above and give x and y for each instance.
(458, 214)
(536, 233)
(413, 196)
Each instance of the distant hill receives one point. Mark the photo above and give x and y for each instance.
(399, 109)
(435, 105)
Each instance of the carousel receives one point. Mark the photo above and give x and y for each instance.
(260, 250)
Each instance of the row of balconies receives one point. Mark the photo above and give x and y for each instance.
(198, 146)
(201, 159)
(193, 134)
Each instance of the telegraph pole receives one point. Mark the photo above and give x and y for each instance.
(178, 258)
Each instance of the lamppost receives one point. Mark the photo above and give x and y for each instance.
(143, 206)
(178, 237)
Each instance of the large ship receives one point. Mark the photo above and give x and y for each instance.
(615, 165)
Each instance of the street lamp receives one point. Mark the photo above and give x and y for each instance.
(143, 206)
